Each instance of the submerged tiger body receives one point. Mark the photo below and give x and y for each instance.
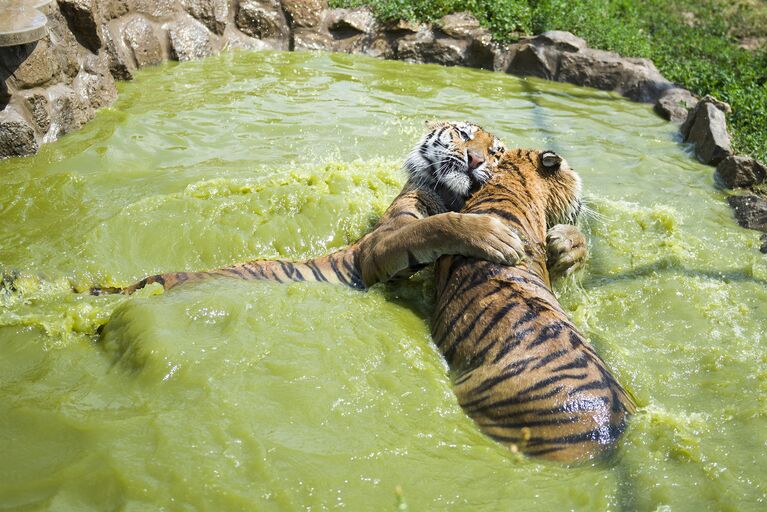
(450, 161)
(522, 370)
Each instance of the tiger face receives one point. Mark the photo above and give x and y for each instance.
(454, 159)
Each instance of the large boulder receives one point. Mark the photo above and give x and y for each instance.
(351, 29)
(139, 35)
(29, 65)
(304, 13)
(706, 128)
(94, 86)
(462, 25)
(561, 56)
(121, 63)
(674, 104)
(454, 40)
(740, 171)
(636, 79)
(211, 13)
(189, 39)
(750, 211)
(465, 31)
(35, 102)
(351, 22)
(68, 113)
(264, 19)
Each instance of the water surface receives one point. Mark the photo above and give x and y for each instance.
(229, 396)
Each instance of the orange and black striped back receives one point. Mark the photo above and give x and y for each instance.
(522, 370)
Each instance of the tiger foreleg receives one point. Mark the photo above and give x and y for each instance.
(422, 242)
(566, 250)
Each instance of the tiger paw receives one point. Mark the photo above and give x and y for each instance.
(491, 239)
(566, 250)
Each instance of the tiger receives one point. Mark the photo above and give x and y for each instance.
(450, 161)
(520, 368)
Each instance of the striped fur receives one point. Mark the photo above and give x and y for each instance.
(450, 161)
(522, 370)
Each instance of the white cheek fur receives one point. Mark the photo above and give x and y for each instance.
(435, 162)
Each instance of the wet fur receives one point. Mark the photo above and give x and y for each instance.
(522, 370)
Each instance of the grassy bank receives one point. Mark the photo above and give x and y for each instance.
(693, 43)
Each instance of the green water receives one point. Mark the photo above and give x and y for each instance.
(232, 396)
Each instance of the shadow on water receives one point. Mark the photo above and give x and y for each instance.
(540, 120)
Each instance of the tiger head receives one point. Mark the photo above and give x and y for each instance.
(540, 181)
(453, 159)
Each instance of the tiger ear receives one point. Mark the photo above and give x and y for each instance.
(550, 160)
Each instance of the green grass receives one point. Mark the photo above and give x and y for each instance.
(693, 43)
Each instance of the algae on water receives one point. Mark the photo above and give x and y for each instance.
(228, 396)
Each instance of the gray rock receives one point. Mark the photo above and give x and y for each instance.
(36, 103)
(83, 21)
(563, 57)
(564, 41)
(94, 85)
(17, 137)
(533, 60)
(304, 13)
(121, 63)
(480, 51)
(400, 27)
(763, 239)
(156, 8)
(350, 22)
(29, 65)
(189, 40)
(750, 211)
(674, 104)
(64, 46)
(312, 40)
(502, 57)
(446, 51)
(140, 37)
(233, 38)
(462, 25)
(721, 105)
(410, 48)
(706, 128)
(740, 171)
(381, 47)
(67, 112)
(426, 46)
(264, 19)
(351, 30)
(212, 13)
(112, 9)
(636, 79)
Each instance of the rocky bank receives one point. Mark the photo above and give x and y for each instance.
(55, 85)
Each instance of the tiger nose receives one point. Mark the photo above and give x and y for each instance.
(475, 159)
